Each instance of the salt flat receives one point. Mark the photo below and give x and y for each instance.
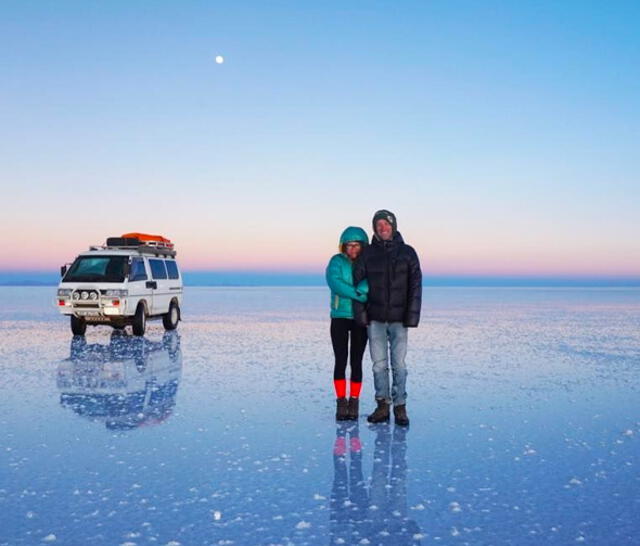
(524, 405)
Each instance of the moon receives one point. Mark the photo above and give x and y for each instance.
(219, 59)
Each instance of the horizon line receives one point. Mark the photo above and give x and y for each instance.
(240, 278)
(321, 272)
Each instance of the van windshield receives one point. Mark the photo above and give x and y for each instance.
(97, 269)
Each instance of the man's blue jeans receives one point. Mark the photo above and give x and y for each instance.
(389, 339)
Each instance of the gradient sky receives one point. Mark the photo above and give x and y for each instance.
(505, 135)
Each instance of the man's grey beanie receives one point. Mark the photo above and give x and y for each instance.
(385, 215)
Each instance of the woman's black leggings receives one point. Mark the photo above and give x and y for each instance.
(340, 328)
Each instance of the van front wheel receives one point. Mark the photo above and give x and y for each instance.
(139, 324)
(170, 320)
(78, 325)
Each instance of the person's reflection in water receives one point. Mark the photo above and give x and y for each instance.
(388, 492)
(349, 495)
(381, 516)
(129, 383)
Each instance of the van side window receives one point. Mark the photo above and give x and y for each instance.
(158, 271)
(138, 272)
(172, 269)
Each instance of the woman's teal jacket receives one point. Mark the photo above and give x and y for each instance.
(339, 277)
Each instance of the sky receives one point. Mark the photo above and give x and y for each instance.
(504, 135)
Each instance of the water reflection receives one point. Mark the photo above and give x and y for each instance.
(377, 514)
(129, 383)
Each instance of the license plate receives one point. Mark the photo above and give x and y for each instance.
(89, 313)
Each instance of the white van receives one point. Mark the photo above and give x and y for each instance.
(129, 280)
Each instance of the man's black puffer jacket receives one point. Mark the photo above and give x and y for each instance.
(393, 271)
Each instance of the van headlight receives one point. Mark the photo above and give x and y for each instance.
(116, 293)
(64, 292)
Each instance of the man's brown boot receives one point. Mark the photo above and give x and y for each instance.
(381, 413)
(400, 415)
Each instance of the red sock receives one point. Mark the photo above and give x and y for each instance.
(341, 387)
(355, 445)
(340, 446)
(355, 389)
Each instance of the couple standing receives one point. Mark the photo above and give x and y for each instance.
(376, 293)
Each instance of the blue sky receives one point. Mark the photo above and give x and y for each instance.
(503, 134)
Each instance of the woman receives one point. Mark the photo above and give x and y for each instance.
(343, 292)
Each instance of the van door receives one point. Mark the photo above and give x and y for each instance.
(161, 292)
(175, 284)
(138, 290)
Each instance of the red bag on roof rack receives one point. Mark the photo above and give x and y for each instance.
(150, 240)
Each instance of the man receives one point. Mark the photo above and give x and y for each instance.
(393, 271)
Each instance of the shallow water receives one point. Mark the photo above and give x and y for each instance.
(524, 407)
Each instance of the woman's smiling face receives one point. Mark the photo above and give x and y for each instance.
(352, 249)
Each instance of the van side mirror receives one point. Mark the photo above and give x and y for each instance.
(63, 270)
(127, 269)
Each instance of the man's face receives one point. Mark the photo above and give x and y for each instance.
(384, 230)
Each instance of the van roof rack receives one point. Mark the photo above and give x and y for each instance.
(143, 243)
(140, 249)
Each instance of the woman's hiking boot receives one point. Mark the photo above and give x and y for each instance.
(400, 415)
(342, 409)
(381, 413)
(353, 409)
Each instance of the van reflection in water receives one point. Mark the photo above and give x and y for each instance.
(129, 383)
(373, 512)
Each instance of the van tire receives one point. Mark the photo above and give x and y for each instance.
(170, 319)
(78, 325)
(139, 324)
